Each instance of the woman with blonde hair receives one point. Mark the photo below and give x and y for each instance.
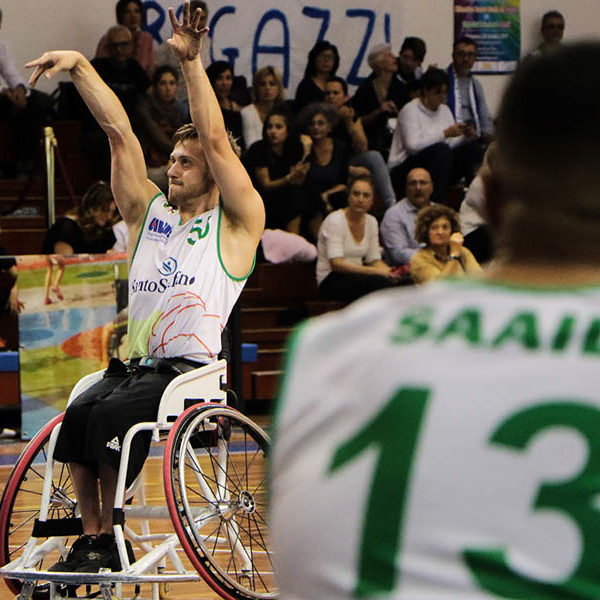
(438, 227)
(267, 91)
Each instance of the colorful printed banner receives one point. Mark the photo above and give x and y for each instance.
(67, 330)
(496, 27)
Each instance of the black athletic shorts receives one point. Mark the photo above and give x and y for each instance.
(96, 422)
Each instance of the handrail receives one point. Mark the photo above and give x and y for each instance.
(49, 148)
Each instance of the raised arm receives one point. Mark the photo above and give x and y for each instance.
(242, 206)
(130, 185)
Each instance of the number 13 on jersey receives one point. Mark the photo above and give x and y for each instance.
(394, 434)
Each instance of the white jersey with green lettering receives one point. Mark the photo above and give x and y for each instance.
(442, 442)
(180, 294)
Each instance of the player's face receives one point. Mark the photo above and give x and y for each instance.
(360, 197)
(187, 173)
(223, 84)
(276, 130)
(132, 19)
(464, 58)
(334, 94)
(419, 187)
(439, 232)
(268, 89)
(166, 87)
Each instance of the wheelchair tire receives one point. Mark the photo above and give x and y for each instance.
(20, 504)
(214, 474)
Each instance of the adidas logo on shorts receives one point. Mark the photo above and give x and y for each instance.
(114, 444)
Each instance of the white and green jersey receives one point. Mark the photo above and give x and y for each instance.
(442, 442)
(180, 294)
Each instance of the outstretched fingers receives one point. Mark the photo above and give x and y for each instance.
(174, 22)
(44, 63)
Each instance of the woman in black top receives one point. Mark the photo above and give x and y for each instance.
(86, 230)
(326, 179)
(278, 167)
(322, 65)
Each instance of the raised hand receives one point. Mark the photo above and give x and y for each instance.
(187, 36)
(52, 63)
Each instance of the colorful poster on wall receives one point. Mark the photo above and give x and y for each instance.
(70, 327)
(496, 27)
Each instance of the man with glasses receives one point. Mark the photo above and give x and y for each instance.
(465, 94)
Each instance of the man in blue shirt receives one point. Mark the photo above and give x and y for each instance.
(398, 225)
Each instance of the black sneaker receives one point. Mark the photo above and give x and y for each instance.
(104, 555)
(80, 549)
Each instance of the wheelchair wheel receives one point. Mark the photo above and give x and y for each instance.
(20, 504)
(215, 485)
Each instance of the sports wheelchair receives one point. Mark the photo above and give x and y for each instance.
(214, 470)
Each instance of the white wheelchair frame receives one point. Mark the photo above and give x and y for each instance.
(194, 403)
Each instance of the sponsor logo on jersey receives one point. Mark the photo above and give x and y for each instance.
(168, 266)
(163, 284)
(159, 231)
(114, 444)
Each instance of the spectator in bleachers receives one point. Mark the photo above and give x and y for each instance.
(398, 225)
(329, 163)
(267, 91)
(277, 165)
(165, 55)
(380, 97)
(9, 291)
(410, 58)
(220, 75)
(553, 29)
(24, 110)
(478, 238)
(351, 131)
(427, 136)
(349, 261)
(160, 115)
(131, 14)
(87, 229)
(466, 98)
(128, 81)
(322, 65)
(444, 255)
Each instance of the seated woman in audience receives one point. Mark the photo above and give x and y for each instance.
(277, 164)
(220, 74)
(329, 162)
(85, 230)
(323, 62)
(380, 97)
(131, 14)
(159, 116)
(349, 261)
(478, 237)
(438, 228)
(427, 136)
(267, 91)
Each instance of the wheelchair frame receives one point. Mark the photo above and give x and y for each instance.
(199, 424)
